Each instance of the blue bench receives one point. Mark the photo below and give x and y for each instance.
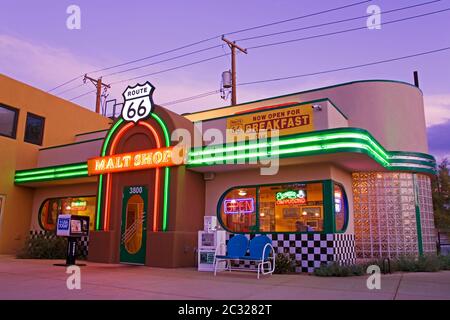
(260, 251)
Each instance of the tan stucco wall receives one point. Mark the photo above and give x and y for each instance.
(295, 173)
(63, 120)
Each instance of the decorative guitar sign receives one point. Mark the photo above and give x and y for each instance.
(138, 102)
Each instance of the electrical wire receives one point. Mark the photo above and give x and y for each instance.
(82, 95)
(344, 31)
(209, 39)
(171, 69)
(202, 95)
(334, 22)
(70, 89)
(161, 61)
(300, 17)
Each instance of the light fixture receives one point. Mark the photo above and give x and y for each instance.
(304, 213)
(68, 208)
(242, 193)
(262, 214)
(316, 214)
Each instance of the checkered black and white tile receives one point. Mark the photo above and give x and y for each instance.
(82, 245)
(311, 250)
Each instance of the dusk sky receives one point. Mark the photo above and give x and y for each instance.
(37, 48)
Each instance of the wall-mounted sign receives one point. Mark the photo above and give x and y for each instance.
(139, 160)
(291, 197)
(287, 120)
(138, 102)
(240, 205)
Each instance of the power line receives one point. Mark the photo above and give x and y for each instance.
(343, 31)
(334, 22)
(63, 84)
(198, 96)
(278, 43)
(161, 61)
(300, 17)
(70, 89)
(202, 95)
(82, 95)
(209, 39)
(173, 68)
(346, 68)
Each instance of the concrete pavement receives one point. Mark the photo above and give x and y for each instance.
(40, 279)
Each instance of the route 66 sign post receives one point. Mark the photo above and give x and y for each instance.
(138, 102)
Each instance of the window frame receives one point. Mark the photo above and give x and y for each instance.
(346, 213)
(16, 120)
(258, 186)
(39, 214)
(43, 128)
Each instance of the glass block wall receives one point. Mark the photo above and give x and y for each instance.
(426, 213)
(385, 214)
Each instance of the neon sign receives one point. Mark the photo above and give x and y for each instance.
(139, 160)
(236, 206)
(291, 197)
(78, 205)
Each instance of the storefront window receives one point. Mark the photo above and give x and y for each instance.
(51, 208)
(293, 207)
(340, 208)
(238, 210)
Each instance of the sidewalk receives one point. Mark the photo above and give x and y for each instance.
(39, 279)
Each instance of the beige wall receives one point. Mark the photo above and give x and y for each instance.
(392, 111)
(63, 120)
(295, 173)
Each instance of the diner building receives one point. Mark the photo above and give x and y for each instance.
(334, 174)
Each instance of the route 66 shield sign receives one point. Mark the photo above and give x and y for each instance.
(138, 102)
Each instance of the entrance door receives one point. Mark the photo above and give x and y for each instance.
(133, 234)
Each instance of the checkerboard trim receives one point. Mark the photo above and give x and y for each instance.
(82, 244)
(309, 250)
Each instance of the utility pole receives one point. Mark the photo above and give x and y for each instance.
(233, 46)
(98, 84)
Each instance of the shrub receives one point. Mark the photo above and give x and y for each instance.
(426, 263)
(44, 247)
(284, 263)
(336, 270)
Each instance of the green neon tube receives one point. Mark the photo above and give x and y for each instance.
(166, 173)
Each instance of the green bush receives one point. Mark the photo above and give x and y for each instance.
(426, 263)
(44, 247)
(336, 270)
(285, 263)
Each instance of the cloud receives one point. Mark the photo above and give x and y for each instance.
(437, 109)
(39, 65)
(438, 140)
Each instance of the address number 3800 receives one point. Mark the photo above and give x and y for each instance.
(135, 190)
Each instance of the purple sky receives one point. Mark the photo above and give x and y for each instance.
(37, 48)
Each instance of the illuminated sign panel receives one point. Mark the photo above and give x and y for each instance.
(236, 206)
(139, 160)
(291, 197)
(288, 120)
